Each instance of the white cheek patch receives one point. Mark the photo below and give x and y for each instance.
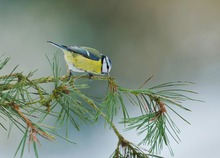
(108, 64)
(104, 66)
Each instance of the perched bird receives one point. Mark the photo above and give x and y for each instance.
(85, 59)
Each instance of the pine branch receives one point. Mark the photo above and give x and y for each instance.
(23, 98)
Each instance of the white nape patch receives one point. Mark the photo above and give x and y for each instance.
(73, 68)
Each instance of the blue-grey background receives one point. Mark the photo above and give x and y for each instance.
(173, 40)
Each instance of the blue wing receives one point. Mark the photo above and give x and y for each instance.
(84, 51)
(87, 52)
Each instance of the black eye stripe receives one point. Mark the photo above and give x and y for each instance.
(103, 57)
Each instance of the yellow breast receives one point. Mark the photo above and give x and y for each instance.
(83, 63)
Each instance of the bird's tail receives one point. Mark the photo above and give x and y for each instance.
(57, 45)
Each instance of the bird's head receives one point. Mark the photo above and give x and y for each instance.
(106, 65)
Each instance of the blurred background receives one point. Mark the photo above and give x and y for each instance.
(173, 40)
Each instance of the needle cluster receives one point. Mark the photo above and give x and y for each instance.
(26, 102)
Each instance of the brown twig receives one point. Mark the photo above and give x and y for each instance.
(33, 129)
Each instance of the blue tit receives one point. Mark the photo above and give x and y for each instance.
(85, 59)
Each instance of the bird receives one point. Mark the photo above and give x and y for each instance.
(85, 59)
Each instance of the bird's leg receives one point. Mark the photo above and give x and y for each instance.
(90, 75)
(69, 73)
